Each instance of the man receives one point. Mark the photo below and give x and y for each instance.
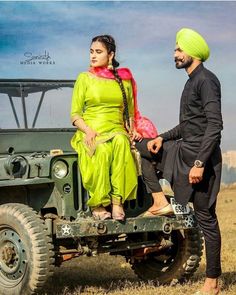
(189, 155)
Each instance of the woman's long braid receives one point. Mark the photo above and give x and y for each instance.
(126, 108)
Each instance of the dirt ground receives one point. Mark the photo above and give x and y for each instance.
(111, 275)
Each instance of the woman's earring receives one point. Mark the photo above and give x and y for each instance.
(110, 65)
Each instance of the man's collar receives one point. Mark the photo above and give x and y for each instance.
(196, 70)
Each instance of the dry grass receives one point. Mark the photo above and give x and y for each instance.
(112, 275)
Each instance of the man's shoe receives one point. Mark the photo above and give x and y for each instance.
(167, 210)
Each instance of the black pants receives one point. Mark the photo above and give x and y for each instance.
(205, 216)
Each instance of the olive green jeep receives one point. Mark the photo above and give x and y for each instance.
(44, 219)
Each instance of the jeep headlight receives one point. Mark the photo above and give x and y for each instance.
(60, 169)
(17, 166)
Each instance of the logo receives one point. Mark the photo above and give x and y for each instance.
(41, 59)
(66, 230)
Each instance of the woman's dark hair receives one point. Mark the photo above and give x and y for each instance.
(122, 88)
(109, 43)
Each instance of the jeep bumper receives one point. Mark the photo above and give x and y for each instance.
(88, 227)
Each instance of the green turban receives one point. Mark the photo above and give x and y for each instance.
(193, 44)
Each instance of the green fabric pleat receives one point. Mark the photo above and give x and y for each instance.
(110, 172)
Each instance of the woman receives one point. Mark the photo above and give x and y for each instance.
(102, 140)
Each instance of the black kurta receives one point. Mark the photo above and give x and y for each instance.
(197, 137)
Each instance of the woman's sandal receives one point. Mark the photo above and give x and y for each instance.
(99, 214)
(117, 210)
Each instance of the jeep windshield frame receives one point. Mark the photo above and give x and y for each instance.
(21, 88)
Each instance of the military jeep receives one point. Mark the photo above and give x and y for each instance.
(44, 219)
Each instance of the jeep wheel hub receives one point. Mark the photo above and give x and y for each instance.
(13, 260)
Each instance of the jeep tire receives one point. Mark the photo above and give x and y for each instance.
(26, 256)
(175, 264)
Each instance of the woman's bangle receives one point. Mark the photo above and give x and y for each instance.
(85, 127)
(73, 123)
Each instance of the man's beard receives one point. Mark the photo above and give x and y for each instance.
(183, 63)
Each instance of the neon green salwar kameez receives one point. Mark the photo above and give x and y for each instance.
(107, 168)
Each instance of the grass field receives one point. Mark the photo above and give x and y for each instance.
(112, 275)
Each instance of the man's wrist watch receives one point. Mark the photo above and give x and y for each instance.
(198, 164)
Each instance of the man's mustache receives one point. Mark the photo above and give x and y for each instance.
(179, 59)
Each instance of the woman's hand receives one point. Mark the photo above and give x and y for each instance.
(135, 136)
(90, 136)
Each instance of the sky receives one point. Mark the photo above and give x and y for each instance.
(145, 35)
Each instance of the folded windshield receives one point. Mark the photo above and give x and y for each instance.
(35, 104)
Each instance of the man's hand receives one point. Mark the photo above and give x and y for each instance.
(196, 174)
(154, 145)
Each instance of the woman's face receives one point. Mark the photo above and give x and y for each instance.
(99, 56)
